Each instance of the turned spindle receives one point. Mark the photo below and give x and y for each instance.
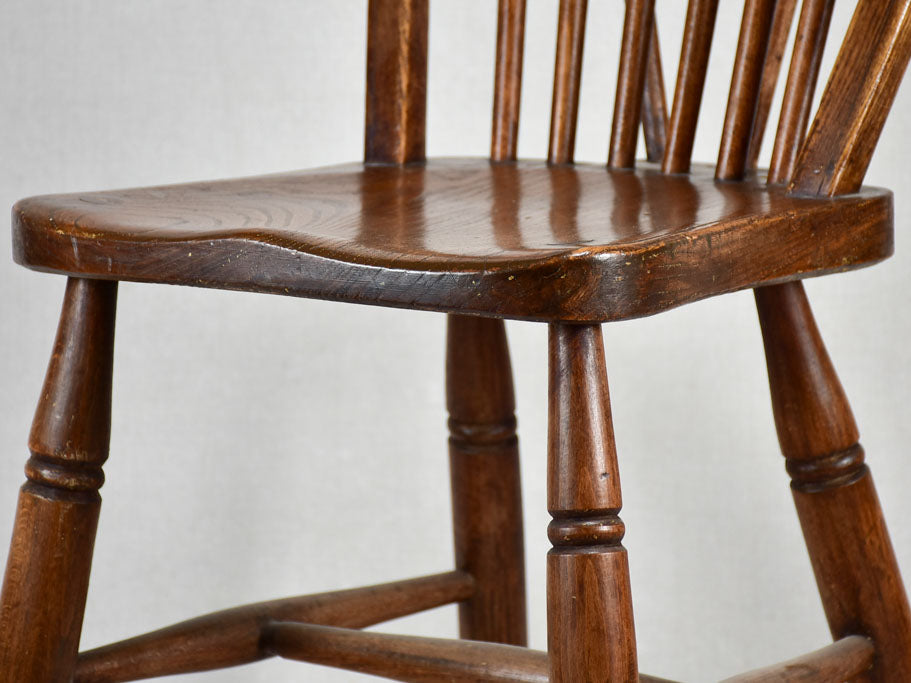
(47, 572)
(590, 616)
(852, 557)
(486, 489)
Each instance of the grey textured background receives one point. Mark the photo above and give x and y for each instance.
(265, 446)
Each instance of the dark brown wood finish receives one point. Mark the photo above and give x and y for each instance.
(430, 236)
(396, 81)
(654, 104)
(778, 40)
(694, 59)
(856, 100)
(852, 556)
(234, 637)
(47, 572)
(812, 30)
(412, 659)
(407, 658)
(743, 99)
(637, 32)
(567, 79)
(486, 488)
(590, 639)
(483, 447)
(843, 660)
(850, 550)
(570, 244)
(507, 91)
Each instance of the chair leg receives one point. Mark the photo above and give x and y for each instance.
(591, 637)
(47, 572)
(855, 567)
(486, 490)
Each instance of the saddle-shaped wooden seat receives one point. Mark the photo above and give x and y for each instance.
(516, 239)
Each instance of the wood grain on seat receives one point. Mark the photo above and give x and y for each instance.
(518, 240)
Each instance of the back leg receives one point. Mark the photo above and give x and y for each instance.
(855, 567)
(486, 490)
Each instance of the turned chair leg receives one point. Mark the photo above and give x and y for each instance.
(47, 573)
(486, 490)
(855, 567)
(589, 608)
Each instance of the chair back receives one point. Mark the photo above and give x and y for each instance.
(829, 160)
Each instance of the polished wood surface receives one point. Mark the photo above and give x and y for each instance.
(396, 81)
(775, 49)
(843, 660)
(486, 489)
(517, 240)
(507, 91)
(856, 100)
(47, 572)
(235, 636)
(567, 81)
(483, 446)
(744, 95)
(654, 103)
(408, 658)
(812, 30)
(485, 239)
(412, 659)
(634, 52)
(694, 59)
(590, 640)
(856, 571)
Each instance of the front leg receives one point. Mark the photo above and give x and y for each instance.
(589, 607)
(47, 573)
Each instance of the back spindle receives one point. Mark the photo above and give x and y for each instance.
(781, 27)
(654, 106)
(396, 81)
(743, 99)
(694, 59)
(856, 101)
(812, 30)
(637, 31)
(507, 92)
(567, 78)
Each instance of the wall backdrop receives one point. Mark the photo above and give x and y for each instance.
(267, 446)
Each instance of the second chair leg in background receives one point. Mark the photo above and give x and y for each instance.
(486, 487)
(856, 570)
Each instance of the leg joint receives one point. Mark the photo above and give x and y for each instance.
(468, 435)
(578, 530)
(58, 473)
(832, 471)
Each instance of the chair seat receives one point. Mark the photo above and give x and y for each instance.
(519, 240)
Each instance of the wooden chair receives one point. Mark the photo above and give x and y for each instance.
(568, 244)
